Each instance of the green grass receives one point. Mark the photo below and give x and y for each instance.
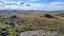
(36, 22)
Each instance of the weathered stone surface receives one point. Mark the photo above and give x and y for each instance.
(38, 33)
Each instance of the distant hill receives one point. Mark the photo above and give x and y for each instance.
(29, 11)
(21, 11)
(58, 11)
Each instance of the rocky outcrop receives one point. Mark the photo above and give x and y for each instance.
(39, 33)
(49, 16)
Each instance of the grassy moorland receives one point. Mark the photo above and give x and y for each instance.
(14, 24)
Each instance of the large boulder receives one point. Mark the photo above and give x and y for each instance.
(49, 16)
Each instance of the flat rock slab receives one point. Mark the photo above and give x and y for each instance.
(38, 33)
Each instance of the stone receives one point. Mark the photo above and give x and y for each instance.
(38, 33)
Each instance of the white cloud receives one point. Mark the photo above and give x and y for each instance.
(33, 6)
(18, 6)
(25, 7)
(56, 6)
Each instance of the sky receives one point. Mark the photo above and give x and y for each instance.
(32, 5)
